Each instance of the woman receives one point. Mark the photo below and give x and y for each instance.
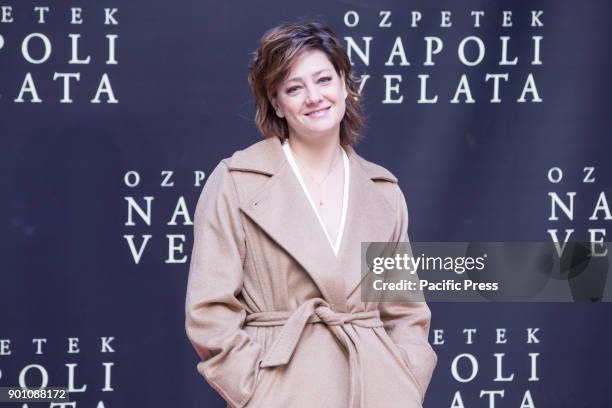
(272, 303)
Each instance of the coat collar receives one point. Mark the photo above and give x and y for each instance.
(281, 210)
(267, 157)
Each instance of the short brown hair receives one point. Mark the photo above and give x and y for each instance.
(278, 49)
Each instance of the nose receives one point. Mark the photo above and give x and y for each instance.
(312, 96)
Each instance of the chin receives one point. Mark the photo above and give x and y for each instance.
(322, 130)
(326, 126)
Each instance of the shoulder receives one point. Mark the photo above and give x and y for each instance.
(246, 170)
(218, 184)
(376, 172)
(264, 156)
(260, 157)
(384, 181)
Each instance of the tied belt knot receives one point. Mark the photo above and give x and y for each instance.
(317, 311)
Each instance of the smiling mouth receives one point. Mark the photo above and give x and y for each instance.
(318, 111)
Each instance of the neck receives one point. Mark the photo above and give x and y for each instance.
(317, 154)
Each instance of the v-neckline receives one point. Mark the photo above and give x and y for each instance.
(345, 196)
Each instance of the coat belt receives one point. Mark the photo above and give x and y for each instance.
(317, 311)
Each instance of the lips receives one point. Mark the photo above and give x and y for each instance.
(318, 111)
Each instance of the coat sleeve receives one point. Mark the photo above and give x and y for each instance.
(407, 321)
(214, 315)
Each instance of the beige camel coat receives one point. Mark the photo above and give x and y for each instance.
(276, 316)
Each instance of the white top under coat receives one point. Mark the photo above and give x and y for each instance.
(335, 247)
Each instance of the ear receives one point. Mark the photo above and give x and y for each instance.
(277, 108)
(343, 82)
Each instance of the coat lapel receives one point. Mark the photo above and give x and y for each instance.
(280, 208)
(370, 217)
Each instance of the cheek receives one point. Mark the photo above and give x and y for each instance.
(292, 107)
(340, 95)
(341, 106)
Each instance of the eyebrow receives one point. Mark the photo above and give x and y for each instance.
(297, 79)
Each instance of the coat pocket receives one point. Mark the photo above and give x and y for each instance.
(258, 373)
(264, 336)
(422, 360)
(399, 355)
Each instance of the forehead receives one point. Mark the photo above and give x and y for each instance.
(309, 62)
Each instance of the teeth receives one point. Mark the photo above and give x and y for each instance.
(317, 111)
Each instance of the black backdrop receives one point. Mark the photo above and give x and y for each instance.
(164, 96)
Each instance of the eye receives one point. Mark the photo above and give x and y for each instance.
(325, 79)
(292, 89)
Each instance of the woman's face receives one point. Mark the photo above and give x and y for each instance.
(313, 97)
